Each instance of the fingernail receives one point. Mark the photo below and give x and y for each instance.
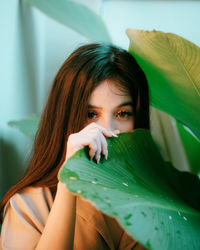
(98, 159)
(91, 157)
(114, 134)
(106, 154)
(117, 131)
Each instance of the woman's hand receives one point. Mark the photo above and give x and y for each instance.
(93, 136)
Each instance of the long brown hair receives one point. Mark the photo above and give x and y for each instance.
(67, 105)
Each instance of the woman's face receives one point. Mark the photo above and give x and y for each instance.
(111, 107)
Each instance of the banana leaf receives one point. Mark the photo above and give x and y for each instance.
(155, 203)
(191, 147)
(172, 66)
(76, 16)
(28, 126)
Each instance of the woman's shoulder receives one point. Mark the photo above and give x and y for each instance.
(25, 216)
(34, 192)
(31, 198)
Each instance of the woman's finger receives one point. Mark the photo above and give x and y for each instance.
(98, 151)
(92, 148)
(104, 131)
(104, 146)
(93, 136)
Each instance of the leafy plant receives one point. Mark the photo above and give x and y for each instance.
(191, 147)
(172, 66)
(28, 126)
(148, 197)
(76, 16)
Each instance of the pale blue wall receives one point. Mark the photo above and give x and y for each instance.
(11, 91)
(180, 17)
(33, 46)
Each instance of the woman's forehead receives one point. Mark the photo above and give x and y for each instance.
(108, 92)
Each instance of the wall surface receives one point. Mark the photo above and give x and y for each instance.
(32, 46)
(179, 17)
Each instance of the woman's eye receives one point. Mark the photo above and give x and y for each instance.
(124, 115)
(92, 115)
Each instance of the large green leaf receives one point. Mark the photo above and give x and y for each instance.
(191, 147)
(143, 192)
(76, 16)
(28, 126)
(172, 66)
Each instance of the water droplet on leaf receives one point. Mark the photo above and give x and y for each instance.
(148, 244)
(127, 217)
(144, 214)
(73, 178)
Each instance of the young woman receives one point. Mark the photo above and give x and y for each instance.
(99, 91)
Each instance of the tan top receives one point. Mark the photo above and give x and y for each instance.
(26, 214)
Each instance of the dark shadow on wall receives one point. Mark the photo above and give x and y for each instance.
(12, 163)
(11, 167)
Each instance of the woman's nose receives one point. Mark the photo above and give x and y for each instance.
(108, 123)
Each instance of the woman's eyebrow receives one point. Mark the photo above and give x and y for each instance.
(125, 104)
(119, 106)
(93, 107)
